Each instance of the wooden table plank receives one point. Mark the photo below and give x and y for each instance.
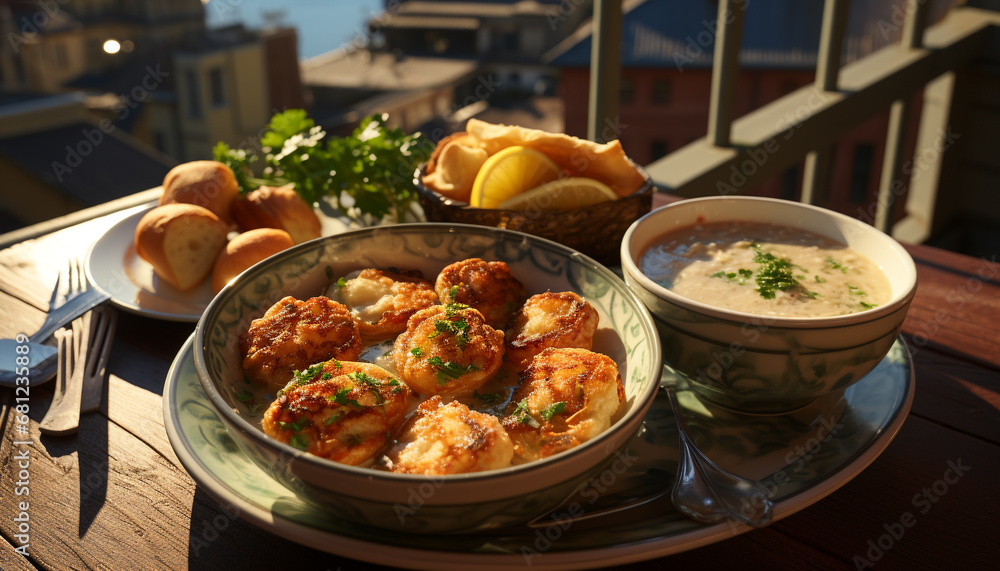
(957, 310)
(918, 462)
(11, 560)
(958, 394)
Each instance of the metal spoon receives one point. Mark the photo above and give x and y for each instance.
(705, 492)
(37, 364)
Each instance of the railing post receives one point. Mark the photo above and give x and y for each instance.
(816, 176)
(891, 183)
(725, 70)
(605, 70)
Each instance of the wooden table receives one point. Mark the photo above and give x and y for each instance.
(115, 496)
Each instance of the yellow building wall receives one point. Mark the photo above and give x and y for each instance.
(244, 109)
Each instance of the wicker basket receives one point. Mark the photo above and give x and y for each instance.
(596, 230)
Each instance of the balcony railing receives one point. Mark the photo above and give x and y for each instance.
(804, 124)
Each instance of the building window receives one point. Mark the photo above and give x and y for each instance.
(510, 41)
(193, 93)
(661, 91)
(861, 173)
(657, 149)
(62, 58)
(218, 91)
(790, 183)
(626, 93)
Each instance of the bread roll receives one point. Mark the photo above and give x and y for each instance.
(277, 207)
(454, 165)
(209, 184)
(246, 250)
(181, 241)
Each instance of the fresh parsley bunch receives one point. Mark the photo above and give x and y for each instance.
(368, 175)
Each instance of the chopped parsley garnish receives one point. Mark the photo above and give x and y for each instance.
(396, 386)
(416, 351)
(452, 308)
(867, 305)
(459, 328)
(257, 408)
(774, 274)
(488, 398)
(297, 426)
(552, 410)
(341, 398)
(244, 396)
(522, 414)
(306, 376)
(453, 292)
(364, 378)
(300, 441)
(836, 265)
(855, 290)
(449, 370)
(341, 282)
(335, 417)
(372, 383)
(819, 280)
(740, 277)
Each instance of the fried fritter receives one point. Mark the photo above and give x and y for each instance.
(447, 350)
(486, 286)
(294, 334)
(340, 410)
(381, 301)
(450, 439)
(565, 398)
(550, 319)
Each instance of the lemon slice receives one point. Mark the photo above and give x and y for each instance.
(563, 194)
(509, 173)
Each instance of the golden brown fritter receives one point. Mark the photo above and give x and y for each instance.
(447, 350)
(340, 410)
(565, 398)
(450, 439)
(550, 319)
(295, 334)
(381, 301)
(486, 286)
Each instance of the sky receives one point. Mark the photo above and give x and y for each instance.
(323, 25)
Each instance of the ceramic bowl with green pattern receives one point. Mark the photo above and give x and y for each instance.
(765, 364)
(406, 501)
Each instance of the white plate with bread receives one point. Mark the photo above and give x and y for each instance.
(168, 261)
(115, 266)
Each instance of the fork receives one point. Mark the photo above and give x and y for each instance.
(63, 416)
(103, 323)
(80, 298)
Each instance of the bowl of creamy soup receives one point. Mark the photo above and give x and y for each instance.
(430, 378)
(766, 305)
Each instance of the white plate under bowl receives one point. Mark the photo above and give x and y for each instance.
(800, 458)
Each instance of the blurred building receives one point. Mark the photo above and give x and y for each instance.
(148, 71)
(432, 64)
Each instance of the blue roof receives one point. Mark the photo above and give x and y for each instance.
(681, 33)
